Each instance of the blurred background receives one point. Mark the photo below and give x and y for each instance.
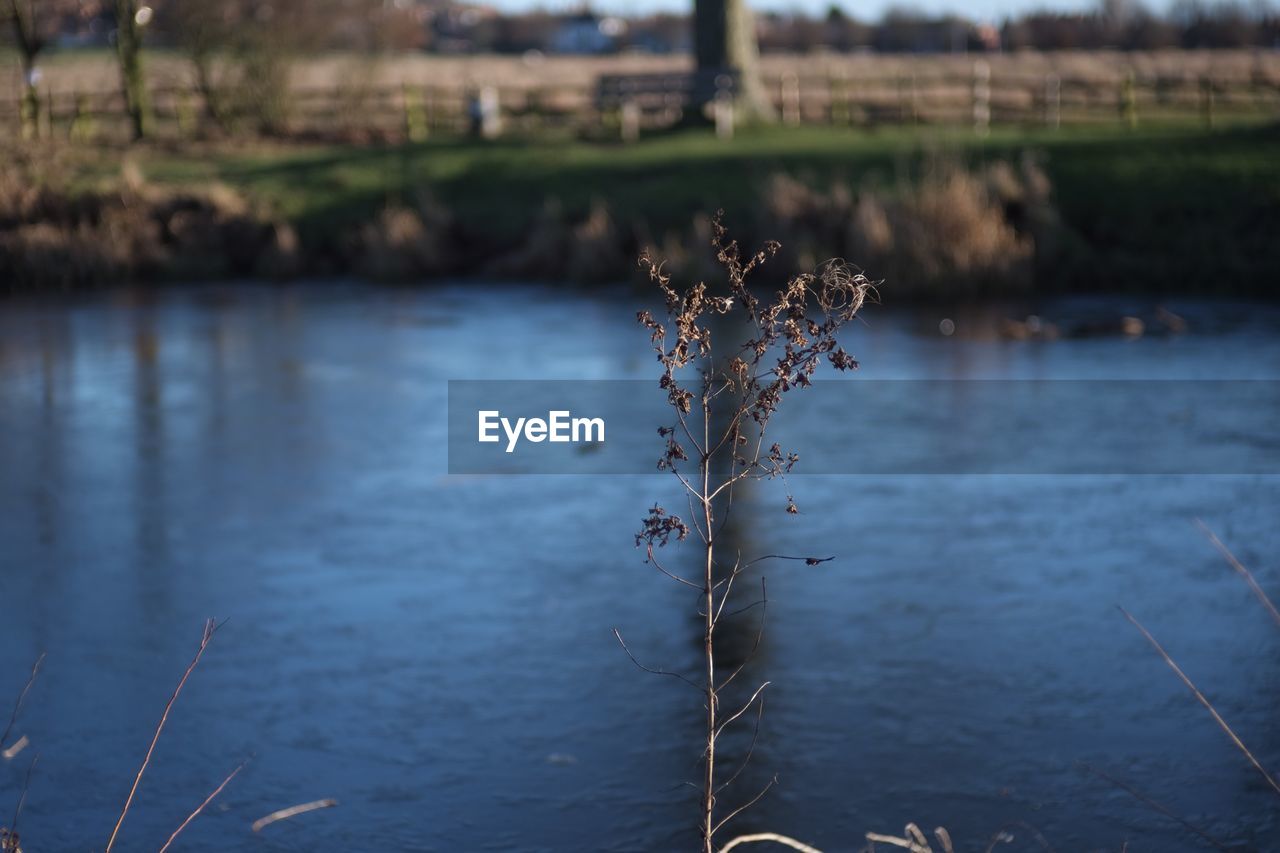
(245, 245)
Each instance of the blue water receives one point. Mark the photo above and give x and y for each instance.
(435, 653)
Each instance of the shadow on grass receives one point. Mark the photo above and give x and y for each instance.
(1170, 207)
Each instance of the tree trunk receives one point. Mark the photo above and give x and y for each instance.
(30, 107)
(29, 45)
(725, 44)
(129, 50)
(202, 61)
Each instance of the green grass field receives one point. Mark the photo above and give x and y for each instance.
(1175, 207)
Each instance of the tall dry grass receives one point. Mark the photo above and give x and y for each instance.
(53, 236)
(953, 230)
(949, 230)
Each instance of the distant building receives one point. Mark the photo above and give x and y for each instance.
(908, 33)
(454, 27)
(587, 33)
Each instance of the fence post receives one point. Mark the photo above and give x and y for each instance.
(415, 114)
(722, 108)
(1206, 102)
(535, 109)
(790, 99)
(629, 119)
(1052, 102)
(1129, 101)
(81, 129)
(908, 103)
(46, 130)
(485, 113)
(981, 97)
(187, 119)
(838, 98)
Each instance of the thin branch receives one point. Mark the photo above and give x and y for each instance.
(292, 811)
(742, 808)
(684, 425)
(210, 627)
(654, 560)
(1142, 798)
(729, 483)
(755, 647)
(1001, 835)
(650, 669)
(16, 749)
(22, 798)
(755, 733)
(752, 606)
(774, 837)
(743, 709)
(905, 843)
(809, 561)
(693, 516)
(724, 597)
(1239, 567)
(201, 807)
(1203, 701)
(22, 698)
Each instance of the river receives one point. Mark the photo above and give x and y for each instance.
(435, 651)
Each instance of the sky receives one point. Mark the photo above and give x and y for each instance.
(867, 10)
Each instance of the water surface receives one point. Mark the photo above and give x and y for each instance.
(435, 651)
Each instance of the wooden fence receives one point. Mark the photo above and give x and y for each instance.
(416, 112)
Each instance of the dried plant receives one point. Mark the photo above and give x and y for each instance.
(210, 628)
(1272, 781)
(722, 400)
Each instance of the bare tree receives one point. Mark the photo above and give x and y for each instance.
(202, 30)
(716, 443)
(131, 18)
(30, 20)
(242, 52)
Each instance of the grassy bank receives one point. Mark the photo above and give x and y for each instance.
(1173, 208)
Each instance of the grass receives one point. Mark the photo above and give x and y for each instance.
(1173, 206)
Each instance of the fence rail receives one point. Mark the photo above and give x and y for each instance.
(416, 111)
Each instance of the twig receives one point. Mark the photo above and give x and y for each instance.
(906, 843)
(17, 747)
(752, 606)
(742, 808)
(755, 647)
(653, 560)
(1002, 835)
(1239, 567)
(769, 836)
(1143, 798)
(201, 807)
(210, 626)
(743, 709)
(650, 669)
(22, 698)
(913, 839)
(755, 733)
(22, 798)
(1203, 701)
(292, 811)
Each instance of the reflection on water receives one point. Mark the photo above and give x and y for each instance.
(434, 652)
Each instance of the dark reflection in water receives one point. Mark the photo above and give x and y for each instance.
(434, 651)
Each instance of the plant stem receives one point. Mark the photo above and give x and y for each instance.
(709, 779)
